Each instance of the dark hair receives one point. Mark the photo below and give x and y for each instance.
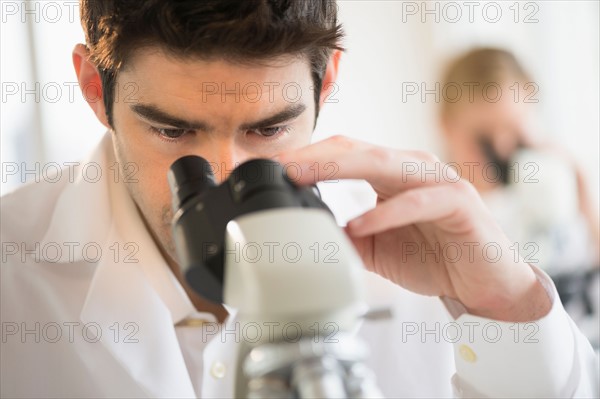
(236, 30)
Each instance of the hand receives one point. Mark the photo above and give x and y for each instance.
(417, 212)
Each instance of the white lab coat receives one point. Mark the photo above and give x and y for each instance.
(81, 323)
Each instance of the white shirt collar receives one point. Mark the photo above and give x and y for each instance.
(103, 211)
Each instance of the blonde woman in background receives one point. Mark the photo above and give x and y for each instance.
(537, 191)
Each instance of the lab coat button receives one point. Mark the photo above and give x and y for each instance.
(217, 370)
(467, 354)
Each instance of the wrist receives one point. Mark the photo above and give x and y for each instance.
(531, 304)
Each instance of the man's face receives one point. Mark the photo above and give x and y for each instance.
(166, 108)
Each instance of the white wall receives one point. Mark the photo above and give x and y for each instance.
(387, 45)
(48, 122)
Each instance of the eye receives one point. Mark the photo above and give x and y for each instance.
(270, 131)
(170, 134)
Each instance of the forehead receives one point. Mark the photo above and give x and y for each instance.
(219, 88)
(155, 70)
(506, 106)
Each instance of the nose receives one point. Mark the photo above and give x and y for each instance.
(224, 156)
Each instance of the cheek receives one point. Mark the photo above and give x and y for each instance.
(153, 196)
(145, 177)
(303, 132)
(136, 153)
(460, 128)
(302, 135)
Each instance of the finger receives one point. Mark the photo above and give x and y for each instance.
(387, 170)
(451, 206)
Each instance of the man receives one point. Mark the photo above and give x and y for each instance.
(93, 302)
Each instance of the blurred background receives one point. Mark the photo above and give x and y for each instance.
(390, 91)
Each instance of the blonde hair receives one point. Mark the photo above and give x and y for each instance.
(481, 67)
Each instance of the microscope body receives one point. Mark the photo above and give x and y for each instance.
(305, 297)
(273, 251)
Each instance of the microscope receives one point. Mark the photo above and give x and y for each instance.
(272, 250)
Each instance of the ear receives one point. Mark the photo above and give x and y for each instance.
(89, 82)
(329, 87)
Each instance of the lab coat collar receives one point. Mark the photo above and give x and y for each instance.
(134, 299)
(82, 215)
(100, 214)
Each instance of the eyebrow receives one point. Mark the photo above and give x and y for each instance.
(288, 113)
(154, 114)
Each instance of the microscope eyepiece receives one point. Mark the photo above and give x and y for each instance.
(189, 176)
(202, 209)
